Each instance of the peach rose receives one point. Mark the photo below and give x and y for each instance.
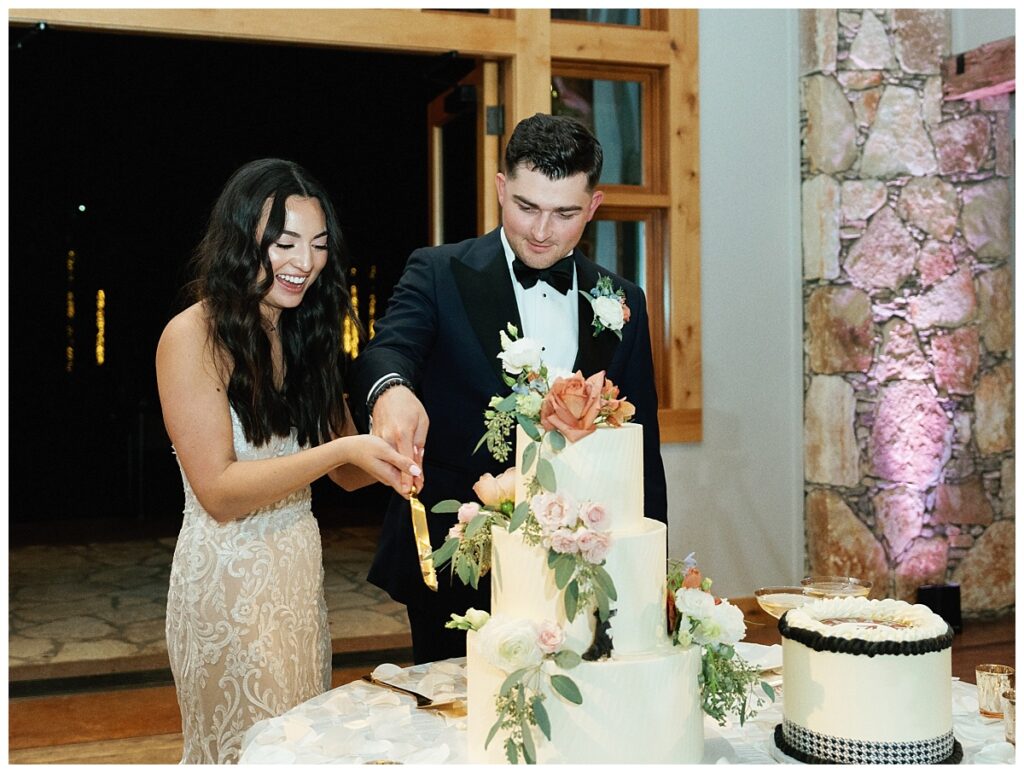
(572, 404)
(692, 579)
(625, 311)
(615, 411)
(493, 491)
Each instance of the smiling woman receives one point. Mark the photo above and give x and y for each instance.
(250, 380)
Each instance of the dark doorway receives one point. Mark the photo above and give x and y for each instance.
(118, 146)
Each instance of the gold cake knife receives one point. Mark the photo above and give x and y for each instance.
(422, 533)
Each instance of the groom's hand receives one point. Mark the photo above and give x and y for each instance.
(400, 419)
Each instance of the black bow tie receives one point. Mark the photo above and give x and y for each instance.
(558, 276)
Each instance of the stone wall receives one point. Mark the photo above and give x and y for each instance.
(908, 312)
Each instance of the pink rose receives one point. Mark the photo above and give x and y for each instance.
(572, 404)
(494, 491)
(625, 312)
(455, 532)
(562, 541)
(593, 545)
(552, 511)
(594, 514)
(468, 512)
(550, 637)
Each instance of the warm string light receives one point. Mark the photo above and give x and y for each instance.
(69, 327)
(350, 332)
(101, 326)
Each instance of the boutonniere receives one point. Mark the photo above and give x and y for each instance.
(609, 304)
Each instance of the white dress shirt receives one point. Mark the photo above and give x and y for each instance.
(548, 317)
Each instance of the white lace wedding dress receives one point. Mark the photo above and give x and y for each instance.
(247, 629)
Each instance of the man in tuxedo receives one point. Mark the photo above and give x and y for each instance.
(433, 361)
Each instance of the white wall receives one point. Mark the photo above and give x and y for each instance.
(972, 28)
(736, 497)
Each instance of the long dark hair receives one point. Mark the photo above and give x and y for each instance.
(227, 263)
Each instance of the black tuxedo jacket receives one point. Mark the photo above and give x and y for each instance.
(441, 333)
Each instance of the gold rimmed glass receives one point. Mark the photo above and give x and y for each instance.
(778, 600)
(832, 586)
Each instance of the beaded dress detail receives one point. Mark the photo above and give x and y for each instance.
(247, 631)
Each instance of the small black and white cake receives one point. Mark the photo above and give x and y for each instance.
(866, 681)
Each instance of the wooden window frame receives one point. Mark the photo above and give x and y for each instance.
(524, 43)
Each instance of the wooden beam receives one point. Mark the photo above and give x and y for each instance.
(985, 71)
(367, 29)
(596, 43)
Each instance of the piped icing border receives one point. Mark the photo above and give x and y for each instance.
(927, 633)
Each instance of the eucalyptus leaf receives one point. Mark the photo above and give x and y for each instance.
(605, 582)
(444, 554)
(510, 751)
(508, 403)
(565, 567)
(567, 688)
(494, 730)
(519, 515)
(529, 752)
(541, 715)
(447, 506)
(603, 607)
(567, 659)
(511, 680)
(464, 570)
(769, 691)
(529, 457)
(546, 475)
(556, 439)
(572, 597)
(528, 426)
(476, 524)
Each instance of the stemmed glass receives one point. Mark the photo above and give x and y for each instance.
(831, 586)
(778, 600)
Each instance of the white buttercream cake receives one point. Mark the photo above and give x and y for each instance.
(640, 705)
(866, 681)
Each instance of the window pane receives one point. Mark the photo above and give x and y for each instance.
(612, 111)
(627, 16)
(619, 246)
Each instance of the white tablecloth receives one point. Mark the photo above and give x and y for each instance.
(359, 723)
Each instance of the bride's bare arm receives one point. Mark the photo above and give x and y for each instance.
(194, 400)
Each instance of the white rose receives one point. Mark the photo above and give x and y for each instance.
(477, 618)
(725, 626)
(521, 354)
(694, 603)
(608, 309)
(510, 644)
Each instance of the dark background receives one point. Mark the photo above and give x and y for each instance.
(144, 131)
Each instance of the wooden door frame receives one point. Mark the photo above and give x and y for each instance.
(521, 43)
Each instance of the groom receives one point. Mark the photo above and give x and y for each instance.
(433, 360)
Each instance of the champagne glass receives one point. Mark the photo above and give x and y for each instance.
(778, 600)
(832, 586)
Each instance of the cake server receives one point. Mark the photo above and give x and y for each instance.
(422, 534)
(422, 701)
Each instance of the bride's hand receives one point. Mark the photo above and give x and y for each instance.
(378, 459)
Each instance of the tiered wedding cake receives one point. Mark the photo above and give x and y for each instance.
(866, 681)
(642, 703)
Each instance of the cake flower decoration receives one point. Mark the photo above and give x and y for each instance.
(697, 617)
(531, 654)
(609, 304)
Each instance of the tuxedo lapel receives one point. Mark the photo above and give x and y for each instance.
(487, 294)
(593, 353)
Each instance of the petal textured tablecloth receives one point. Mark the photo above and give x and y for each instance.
(359, 723)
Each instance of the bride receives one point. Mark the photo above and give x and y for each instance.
(250, 380)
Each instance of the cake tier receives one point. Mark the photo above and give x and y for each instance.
(605, 467)
(523, 586)
(872, 672)
(641, 709)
